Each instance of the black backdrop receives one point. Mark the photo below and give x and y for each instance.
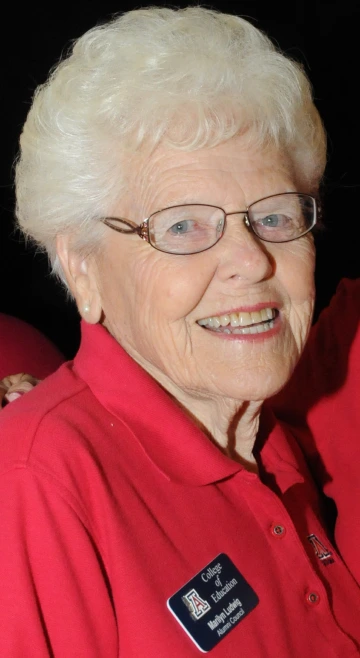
(324, 36)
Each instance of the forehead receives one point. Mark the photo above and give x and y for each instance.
(231, 172)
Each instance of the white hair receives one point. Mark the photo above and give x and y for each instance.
(187, 78)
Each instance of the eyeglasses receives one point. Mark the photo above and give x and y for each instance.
(195, 227)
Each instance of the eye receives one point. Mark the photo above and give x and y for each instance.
(182, 227)
(271, 221)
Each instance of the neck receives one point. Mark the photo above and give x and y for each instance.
(231, 424)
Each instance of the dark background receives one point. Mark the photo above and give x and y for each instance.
(324, 36)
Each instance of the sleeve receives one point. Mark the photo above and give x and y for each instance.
(24, 349)
(55, 599)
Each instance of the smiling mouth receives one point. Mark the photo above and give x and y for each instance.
(254, 322)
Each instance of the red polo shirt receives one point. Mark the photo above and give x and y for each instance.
(24, 349)
(323, 397)
(111, 501)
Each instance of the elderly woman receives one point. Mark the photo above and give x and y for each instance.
(170, 167)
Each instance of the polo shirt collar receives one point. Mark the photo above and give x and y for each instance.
(173, 443)
(279, 452)
(180, 450)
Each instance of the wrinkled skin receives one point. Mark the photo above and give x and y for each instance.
(151, 301)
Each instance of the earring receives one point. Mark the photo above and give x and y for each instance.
(86, 308)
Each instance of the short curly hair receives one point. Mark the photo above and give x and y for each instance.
(188, 78)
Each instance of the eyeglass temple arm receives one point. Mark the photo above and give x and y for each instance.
(131, 226)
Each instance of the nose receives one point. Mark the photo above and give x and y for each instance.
(242, 256)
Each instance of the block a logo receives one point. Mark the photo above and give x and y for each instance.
(197, 606)
(321, 552)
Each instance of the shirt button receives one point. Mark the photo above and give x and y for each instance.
(278, 530)
(312, 598)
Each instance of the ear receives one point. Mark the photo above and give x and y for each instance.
(80, 273)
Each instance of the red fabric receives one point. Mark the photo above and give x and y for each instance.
(323, 397)
(111, 500)
(24, 349)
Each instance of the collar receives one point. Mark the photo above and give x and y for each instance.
(173, 443)
(279, 452)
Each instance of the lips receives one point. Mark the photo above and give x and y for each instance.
(242, 322)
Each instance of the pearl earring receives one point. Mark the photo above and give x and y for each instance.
(86, 308)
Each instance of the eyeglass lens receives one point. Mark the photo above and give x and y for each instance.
(189, 229)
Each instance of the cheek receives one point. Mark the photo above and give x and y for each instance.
(296, 273)
(144, 286)
(295, 270)
(171, 287)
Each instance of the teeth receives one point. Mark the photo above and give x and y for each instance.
(224, 320)
(255, 329)
(256, 317)
(266, 314)
(244, 320)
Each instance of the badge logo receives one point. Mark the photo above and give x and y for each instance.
(321, 552)
(196, 605)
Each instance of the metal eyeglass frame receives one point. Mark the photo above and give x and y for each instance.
(142, 230)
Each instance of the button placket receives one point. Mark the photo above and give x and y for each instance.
(291, 551)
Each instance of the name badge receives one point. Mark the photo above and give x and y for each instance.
(213, 602)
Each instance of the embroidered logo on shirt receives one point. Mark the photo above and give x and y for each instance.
(321, 552)
(197, 606)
